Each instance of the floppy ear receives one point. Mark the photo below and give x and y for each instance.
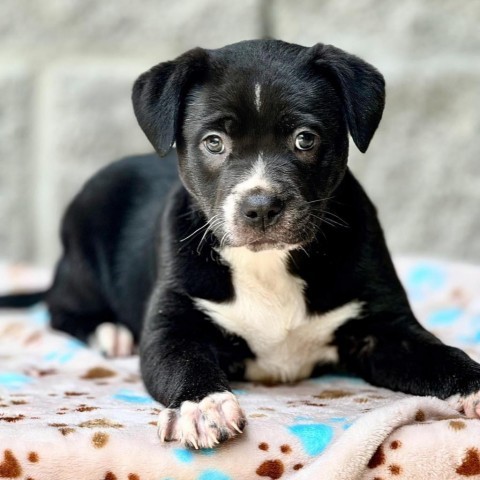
(361, 86)
(157, 96)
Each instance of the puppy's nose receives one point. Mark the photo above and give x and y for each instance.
(261, 210)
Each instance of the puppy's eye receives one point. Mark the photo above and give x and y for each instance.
(305, 140)
(214, 144)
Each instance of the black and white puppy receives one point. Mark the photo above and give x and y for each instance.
(267, 261)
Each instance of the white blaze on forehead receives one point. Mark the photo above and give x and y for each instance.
(258, 102)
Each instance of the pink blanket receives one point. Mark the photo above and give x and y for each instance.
(68, 413)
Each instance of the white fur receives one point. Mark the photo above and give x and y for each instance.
(269, 312)
(255, 179)
(468, 404)
(258, 101)
(203, 424)
(113, 340)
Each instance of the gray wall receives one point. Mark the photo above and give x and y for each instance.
(66, 69)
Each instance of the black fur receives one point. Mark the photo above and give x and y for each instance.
(131, 251)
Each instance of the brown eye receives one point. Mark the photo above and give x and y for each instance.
(214, 144)
(305, 141)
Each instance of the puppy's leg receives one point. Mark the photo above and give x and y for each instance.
(180, 368)
(399, 354)
(75, 300)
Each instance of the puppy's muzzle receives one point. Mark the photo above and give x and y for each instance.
(261, 210)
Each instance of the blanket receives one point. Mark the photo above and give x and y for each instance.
(68, 413)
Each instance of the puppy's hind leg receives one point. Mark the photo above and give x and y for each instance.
(75, 301)
(113, 340)
(79, 307)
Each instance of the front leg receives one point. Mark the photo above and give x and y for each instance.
(399, 354)
(180, 369)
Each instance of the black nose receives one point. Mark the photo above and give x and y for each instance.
(261, 210)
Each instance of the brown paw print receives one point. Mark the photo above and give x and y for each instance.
(275, 468)
(380, 458)
(10, 466)
(470, 463)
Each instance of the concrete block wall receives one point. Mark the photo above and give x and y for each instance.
(423, 166)
(66, 69)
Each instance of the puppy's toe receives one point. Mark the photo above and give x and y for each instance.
(112, 340)
(468, 404)
(214, 419)
(167, 422)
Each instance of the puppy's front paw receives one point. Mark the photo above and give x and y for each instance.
(214, 419)
(468, 404)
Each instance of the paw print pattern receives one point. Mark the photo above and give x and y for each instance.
(275, 468)
(470, 465)
(379, 458)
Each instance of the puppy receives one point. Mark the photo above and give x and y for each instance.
(266, 261)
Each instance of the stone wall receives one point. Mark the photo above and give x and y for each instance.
(66, 69)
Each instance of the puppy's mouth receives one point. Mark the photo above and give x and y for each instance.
(265, 221)
(280, 237)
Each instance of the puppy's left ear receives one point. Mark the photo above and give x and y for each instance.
(157, 96)
(361, 86)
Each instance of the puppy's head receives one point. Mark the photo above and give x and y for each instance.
(261, 129)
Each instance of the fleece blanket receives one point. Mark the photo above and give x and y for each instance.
(68, 413)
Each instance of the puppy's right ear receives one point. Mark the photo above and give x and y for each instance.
(157, 96)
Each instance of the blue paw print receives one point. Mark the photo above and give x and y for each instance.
(314, 436)
(212, 474)
(130, 396)
(444, 317)
(183, 455)
(14, 380)
(64, 355)
(424, 279)
(474, 337)
(39, 315)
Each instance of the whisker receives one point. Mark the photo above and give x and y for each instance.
(224, 238)
(304, 251)
(201, 228)
(321, 199)
(324, 220)
(192, 234)
(323, 233)
(329, 221)
(209, 228)
(341, 220)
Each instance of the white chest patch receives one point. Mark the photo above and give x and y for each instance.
(269, 312)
